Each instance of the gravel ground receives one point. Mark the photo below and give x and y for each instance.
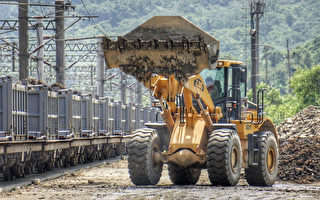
(111, 181)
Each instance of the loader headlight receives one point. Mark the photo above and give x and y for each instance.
(228, 105)
(220, 64)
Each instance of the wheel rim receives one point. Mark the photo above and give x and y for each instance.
(234, 159)
(271, 159)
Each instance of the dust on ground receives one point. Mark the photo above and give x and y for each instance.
(111, 181)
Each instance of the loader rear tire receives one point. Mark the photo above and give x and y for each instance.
(224, 157)
(144, 161)
(183, 176)
(265, 173)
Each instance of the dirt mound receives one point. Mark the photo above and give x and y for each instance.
(304, 124)
(300, 147)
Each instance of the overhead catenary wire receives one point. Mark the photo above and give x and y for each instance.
(34, 4)
(53, 37)
(74, 64)
(92, 21)
(42, 12)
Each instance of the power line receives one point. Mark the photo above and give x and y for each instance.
(41, 8)
(92, 21)
(34, 4)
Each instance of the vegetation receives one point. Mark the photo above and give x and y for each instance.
(306, 86)
(287, 96)
(225, 20)
(228, 21)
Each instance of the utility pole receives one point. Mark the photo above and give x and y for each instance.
(288, 59)
(266, 66)
(23, 40)
(139, 93)
(60, 43)
(256, 12)
(91, 75)
(39, 27)
(246, 27)
(100, 69)
(13, 56)
(123, 84)
(132, 94)
(266, 56)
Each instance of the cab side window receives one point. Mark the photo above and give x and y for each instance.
(216, 85)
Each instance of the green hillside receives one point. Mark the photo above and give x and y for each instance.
(296, 20)
(227, 20)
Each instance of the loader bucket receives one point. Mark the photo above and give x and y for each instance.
(163, 45)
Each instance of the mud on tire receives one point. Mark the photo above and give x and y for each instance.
(183, 176)
(143, 149)
(266, 172)
(224, 157)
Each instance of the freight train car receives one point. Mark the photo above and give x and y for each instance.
(42, 128)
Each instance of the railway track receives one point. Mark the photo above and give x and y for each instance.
(6, 186)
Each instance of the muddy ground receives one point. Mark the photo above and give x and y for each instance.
(111, 181)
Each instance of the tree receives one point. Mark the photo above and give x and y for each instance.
(306, 86)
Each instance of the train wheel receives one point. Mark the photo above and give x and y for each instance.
(41, 167)
(28, 168)
(49, 165)
(18, 170)
(73, 161)
(7, 174)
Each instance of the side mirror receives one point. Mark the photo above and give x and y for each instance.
(243, 77)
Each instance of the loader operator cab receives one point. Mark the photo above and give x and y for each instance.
(227, 86)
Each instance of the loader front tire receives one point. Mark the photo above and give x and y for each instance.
(265, 173)
(144, 161)
(224, 157)
(183, 176)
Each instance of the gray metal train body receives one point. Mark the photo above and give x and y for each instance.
(42, 128)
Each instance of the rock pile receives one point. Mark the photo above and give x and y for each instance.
(300, 147)
(304, 124)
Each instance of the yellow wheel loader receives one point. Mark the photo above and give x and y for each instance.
(209, 123)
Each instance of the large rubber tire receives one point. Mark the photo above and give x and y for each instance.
(183, 176)
(224, 157)
(265, 173)
(144, 151)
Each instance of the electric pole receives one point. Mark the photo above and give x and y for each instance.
(123, 84)
(139, 93)
(39, 27)
(60, 43)
(288, 59)
(266, 66)
(13, 54)
(23, 40)
(100, 69)
(256, 12)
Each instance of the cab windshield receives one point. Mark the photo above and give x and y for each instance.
(215, 82)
